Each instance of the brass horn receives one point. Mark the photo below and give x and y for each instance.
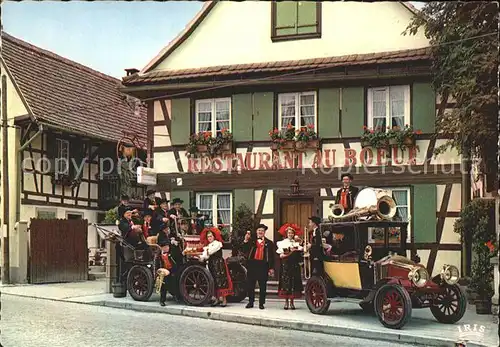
(307, 257)
(337, 210)
(371, 203)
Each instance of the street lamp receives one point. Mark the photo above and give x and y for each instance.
(294, 187)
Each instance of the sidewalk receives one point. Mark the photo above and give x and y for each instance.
(342, 319)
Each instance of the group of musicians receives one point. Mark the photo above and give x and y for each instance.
(163, 223)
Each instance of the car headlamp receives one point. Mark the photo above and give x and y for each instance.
(450, 274)
(419, 276)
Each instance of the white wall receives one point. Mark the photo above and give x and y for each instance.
(240, 33)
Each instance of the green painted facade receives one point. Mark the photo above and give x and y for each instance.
(181, 121)
(423, 107)
(183, 195)
(263, 104)
(424, 212)
(244, 196)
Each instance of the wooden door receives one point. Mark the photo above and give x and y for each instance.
(296, 211)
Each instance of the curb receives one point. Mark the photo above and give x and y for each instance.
(389, 335)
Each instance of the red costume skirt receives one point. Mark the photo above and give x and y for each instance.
(219, 270)
(290, 280)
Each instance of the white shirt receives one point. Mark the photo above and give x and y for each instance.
(211, 249)
(287, 243)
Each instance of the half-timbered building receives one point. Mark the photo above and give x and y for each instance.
(65, 121)
(337, 67)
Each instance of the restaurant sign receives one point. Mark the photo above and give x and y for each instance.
(328, 158)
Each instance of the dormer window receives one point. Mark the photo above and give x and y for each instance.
(295, 20)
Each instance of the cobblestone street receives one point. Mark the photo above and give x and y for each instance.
(30, 322)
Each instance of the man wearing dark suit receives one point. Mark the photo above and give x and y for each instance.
(317, 253)
(346, 196)
(260, 254)
(150, 203)
(197, 221)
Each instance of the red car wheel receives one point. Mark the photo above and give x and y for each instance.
(316, 295)
(393, 306)
(450, 305)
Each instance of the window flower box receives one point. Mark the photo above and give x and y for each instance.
(201, 148)
(313, 144)
(199, 143)
(288, 145)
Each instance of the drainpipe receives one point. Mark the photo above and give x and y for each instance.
(5, 186)
(466, 198)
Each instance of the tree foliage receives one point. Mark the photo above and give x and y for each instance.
(243, 220)
(464, 39)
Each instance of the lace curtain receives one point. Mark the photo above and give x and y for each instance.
(397, 98)
(401, 198)
(222, 115)
(307, 106)
(224, 210)
(204, 116)
(379, 109)
(205, 205)
(287, 106)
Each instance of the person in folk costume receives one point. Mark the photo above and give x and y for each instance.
(149, 228)
(197, 220)
(318, 243)
(175, 238)
(290, 277)
(260, 254)
(211, 238)
(176, 213)
(166, 268)
(150, 202)
(346, 196)
(162, 215)
(131, 233)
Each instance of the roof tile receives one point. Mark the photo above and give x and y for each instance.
(67, 94)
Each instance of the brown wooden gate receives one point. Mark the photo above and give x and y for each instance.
(58, 250)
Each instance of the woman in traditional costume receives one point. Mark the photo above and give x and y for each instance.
(212, 239)
(290, 281)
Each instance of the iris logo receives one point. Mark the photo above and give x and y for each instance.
(468, 332)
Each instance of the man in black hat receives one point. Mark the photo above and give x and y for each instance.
(260, 254)
(176, 213)
(166, 266)
(346, 195)
(316, 243)
(197, 220)
(150, 203)
(130, 232)
(124, 204)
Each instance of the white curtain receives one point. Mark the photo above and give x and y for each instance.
(379, 109)
(401, 198)
(222, 115)
(287, 107)
(224, 209)
(307, 107)
(205, 205)
(397, 97)
(204, 116)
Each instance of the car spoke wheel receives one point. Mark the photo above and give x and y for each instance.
(450, 305)
(393, 306)
(316, 295)
(140, 283)
(196, 285)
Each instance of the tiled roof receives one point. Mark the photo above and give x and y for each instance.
(69, 95)
(281, 66)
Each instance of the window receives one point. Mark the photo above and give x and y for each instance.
(295, 20)
(62, 157)
(213, 115)
(402, 198)
(45, 214)
(297, 109)
(218, 206)
(73, 216)
(388, 107)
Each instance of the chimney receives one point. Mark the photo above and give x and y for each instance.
(131, 71)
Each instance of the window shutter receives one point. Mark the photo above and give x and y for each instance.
(307, 21)
(286, 18)
(76, 156)
(51, 152)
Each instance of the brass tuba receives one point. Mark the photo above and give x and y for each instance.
(337, 210)
(159, 279)
(371, 203)
(307, 257)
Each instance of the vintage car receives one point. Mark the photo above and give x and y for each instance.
(368, 263)
(193, 283)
